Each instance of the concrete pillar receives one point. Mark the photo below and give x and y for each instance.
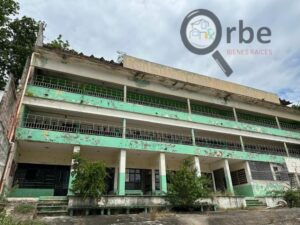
(76, 150)
(242, 143)
(286, 149)
(248, 172)
(278, 123)
(228, 177)
(193, 136)
(153, 180)
(197, 165)
(189, 106)
(162, 173)
(235, 115)
(122, 173)
(116, 180)
(125, 93)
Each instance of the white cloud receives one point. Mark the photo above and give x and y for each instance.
(150, 30)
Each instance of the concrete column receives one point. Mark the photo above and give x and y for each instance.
(193, 136)
(189, 106)
(197, 165)
(297, 180)
(153, 180)
(228, 177)
(76, 150)
(242, 143)
(124, 129)
(116, 180)
(162, 173)
(248, 172)
(286, 149)
(278, 123)
(235, 115)
(122, 173)
(125, 93)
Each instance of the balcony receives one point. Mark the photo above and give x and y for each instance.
(42, 122)
(176, 108)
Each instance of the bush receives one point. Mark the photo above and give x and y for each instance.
(186, 187)
(292, 197)
(89, 178)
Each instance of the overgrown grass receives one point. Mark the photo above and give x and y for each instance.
(24, 208)
(8, 220)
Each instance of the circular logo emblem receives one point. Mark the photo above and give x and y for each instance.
(201, 31)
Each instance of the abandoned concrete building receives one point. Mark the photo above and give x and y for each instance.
(142, 119)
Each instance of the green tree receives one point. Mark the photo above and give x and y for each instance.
(292, 197)
(186, 187)
(59, 43)
(17, 38)
(89, 178)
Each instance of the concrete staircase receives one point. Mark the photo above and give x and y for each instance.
(52, 206)
(254, 203)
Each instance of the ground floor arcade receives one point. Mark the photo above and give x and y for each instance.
(44, 169)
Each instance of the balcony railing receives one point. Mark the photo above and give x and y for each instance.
(294, 151)
(264, 149)
(79, 88)
(155, 101)
(76, 126)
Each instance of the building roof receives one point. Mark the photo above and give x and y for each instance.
(197, 79)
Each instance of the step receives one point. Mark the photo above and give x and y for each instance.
(53, 213)
(51, 208)
(51, 203)
(53, 198)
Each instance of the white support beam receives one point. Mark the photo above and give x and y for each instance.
(162, 173)
(228, 177)
(122, 173)
(197, 165)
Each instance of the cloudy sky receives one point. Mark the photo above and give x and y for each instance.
(149, 29)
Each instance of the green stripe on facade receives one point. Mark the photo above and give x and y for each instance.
(121, 184)
(51, 94)
(120, 143)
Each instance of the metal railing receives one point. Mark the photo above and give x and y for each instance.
(263, 149)
(143, 99)
(75, 126)
(290, 126)
(213, 112)
(70, 126)
(257, 120)
(294, 151)
(217, 143)
(76, 87)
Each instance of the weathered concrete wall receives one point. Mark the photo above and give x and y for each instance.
(7, 108)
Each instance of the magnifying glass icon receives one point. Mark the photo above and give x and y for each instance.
(201, 33)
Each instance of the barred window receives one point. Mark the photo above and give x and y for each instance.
(261, 170)
(238, 177)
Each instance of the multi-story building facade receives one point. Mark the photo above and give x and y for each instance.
(142, 119)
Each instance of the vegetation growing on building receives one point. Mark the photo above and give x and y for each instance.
(186, 187)
(89, 177)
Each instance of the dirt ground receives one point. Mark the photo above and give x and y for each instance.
(241, 217)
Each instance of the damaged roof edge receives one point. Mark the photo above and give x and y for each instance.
(120, 65)
(197, 79)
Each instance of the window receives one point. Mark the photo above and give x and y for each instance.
(238, 177)
(133, 179)
(280, 172)
(261, 171)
